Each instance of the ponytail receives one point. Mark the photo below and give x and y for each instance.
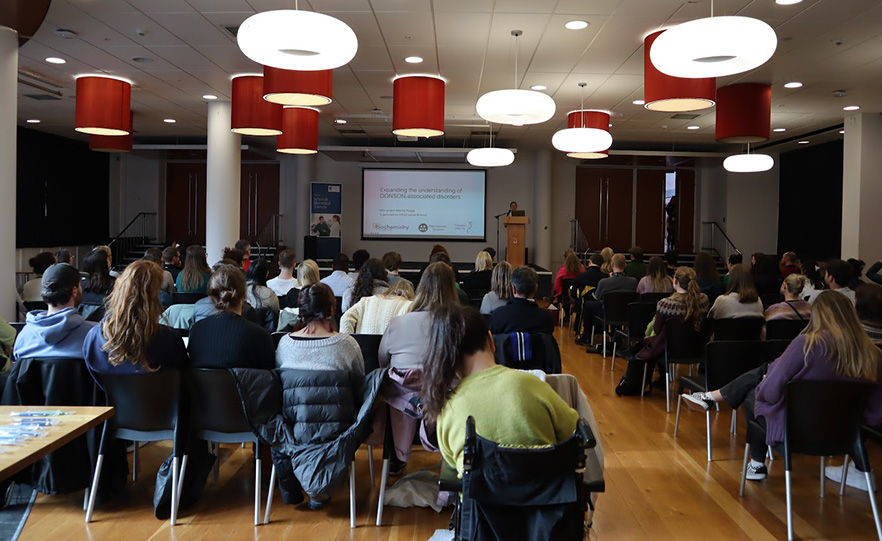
(693, 297)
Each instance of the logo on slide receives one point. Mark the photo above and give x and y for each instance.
(423, 228)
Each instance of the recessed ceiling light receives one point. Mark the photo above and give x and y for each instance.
(209, 97)
(169, 120)
(779, 130)
(851, 108)
(538, 87)
(842, 132)
(793, 84)
(33, 121)
(576, 25)
(413, 59)
(639, 102)
(803, 142)
(339, 121)
(56, 60)
(787, 2)
(693, 127)
(142, 59)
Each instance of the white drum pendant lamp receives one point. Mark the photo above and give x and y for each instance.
(748, 163)
(515, 106)
(297, 40)
(714, 47)
(490, 156)
(587, 130)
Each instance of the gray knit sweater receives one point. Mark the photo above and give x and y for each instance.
(337, 352)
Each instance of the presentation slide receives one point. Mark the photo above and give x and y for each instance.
(423, 204)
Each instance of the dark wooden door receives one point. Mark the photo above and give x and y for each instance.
(650, 218)
(259, 198)
(185, 203)
(604, 204)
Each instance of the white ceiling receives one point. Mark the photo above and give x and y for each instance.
(467, 42)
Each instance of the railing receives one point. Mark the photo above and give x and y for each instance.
(578, 242)
(271, 232)
(715, 239)
(120, 245)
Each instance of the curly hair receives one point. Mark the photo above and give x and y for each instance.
(132, 318)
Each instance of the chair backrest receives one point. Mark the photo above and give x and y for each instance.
(277, 337)
(565, 285)
(35, 305)
(144, 402)
(188, 298)
(526, 351)
(639, 316)
(728, 359)
(615, 306)
(824, 418)
(775, 348)
(338, 312)
(18, 326)
(784, 329)
(653, 297)
(741, 328)
(770, 298)
(215, 406)
(370, 350)
(683, 342)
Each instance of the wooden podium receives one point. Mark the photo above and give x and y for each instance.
(515, 247)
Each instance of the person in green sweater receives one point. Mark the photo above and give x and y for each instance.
(636, 268)
(510, 407)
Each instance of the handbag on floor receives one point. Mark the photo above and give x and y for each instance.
(630, 383)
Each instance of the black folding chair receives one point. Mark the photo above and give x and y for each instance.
(724, 361)
(566, 302)
(684, 344)
(615, 313)
(653, 297)
(188, 298)
(639, 316)
(216, 416)
(741, 328)
(30, 306)
(277, 337)
(338, 312)
(784, 329)
(146, 408)
(370, 350)
(775, 348)
(528, 351)
(770, 298)
(823, 419)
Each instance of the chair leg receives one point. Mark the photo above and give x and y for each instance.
(873, 504)
(592, 334)
(135, 463)
(181, 476)
(668, 390)
(371, 462)
(352, 494)
(175, 490)
(612, 364)
(734, 428)
(677, 420)
(257, 465)
(707, 414)
(744, 468)
(789, 506)
(643, 387)
(85, 497)
(604, 342)
(822, 477)
(94, 490)
(269, 495)
(770, 454)
(844, 475)
(383, 476)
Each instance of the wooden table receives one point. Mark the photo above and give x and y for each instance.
(69, 427)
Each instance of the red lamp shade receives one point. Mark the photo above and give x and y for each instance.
(290, 87)
(588, 118)
(418, 106)
(110, 143)
(744, 113)
(664, 93)
(251, 114)
(103, 106)
(299, 131)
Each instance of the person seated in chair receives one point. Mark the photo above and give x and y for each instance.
(615, 283)
(793, 306)
(837, 276)
(521, 313)
(171, 261)
(283, 283)
(584, 285)
(789, 264)
(509, 407)
(340, 279)
(636, 268)
(740, 299)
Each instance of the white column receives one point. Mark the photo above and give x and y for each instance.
(222, 178)
(306, 166)
(8, 114)
(861, 188)
(542, 214)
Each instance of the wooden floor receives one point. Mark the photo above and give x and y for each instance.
(658, 487)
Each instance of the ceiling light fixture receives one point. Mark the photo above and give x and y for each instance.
(56, 60)
(169, 120)
(418, 106)
(779, 130)
(538, 87)
(103, 106)
(793, 84)
(297, 40)
(576, 25)
(639, 102)
(32, 121)
(116, 145)
(744, 113)
(339, 121)
(693, 127)
(295, 87)
(413, 59)
(515, 106)
(851, 108)
(251, 114)
(587, 130)
(787, 2)
(299, 131)
(667, 94)
(803, 142)
(748, 163)
(841, 132)
(589, 155)
(209, 97)
(714, 47)
(490, 156)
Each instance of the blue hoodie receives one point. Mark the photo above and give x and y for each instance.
(58, 335)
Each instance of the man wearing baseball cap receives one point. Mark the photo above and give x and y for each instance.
(59, 331)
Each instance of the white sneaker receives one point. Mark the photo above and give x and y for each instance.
(698, 401)
(855, 479)
(757, 473)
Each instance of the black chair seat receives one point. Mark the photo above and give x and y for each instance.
(694, 384)
(784, 329)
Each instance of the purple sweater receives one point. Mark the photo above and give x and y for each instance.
(794, 365)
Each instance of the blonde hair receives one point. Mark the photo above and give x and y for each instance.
(500, 280)
(401, 288)
(850, 348)
(483, 262)
(659, 281)
(133, 312)
(685, 278)
(307, 273)
(795, 283)
(607, 254)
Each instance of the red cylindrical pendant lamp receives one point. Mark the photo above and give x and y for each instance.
(594, 141)
(418, 106)
(251, 114)
(744, 113)
(290, 87)
(108, 143)
(299, 131)
(664, 93)
(103, 106)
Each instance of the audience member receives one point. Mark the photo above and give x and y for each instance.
(480, 278)
(307, 275)
(235, 257)
(734, 259)
(96, 285)
(500, 288)
(788, 265)
(868, 303)
(873, 272)
(244, 246)
(371, 315)
(109, 253)
(64, 256)
(443, 257)
(521, 313)
(707, 276)
(34, 287)
(404, 343)
(793, 306)
(765, 274)
(259, 296)
(607, 254)
(392, 262)
(837, 276)
(615, 283)
(815, 279)
(656, 279)
(833, 347)
(194, 277)
(171, 261)
(857, 270)
(168, 282)
(584, 285)
(741, 298)
(226, 339)
(636, 268)
(358, 259)
(60, 331)
(672, 258)
(571, 268)
(371, 281)
(283, 283)
(340, 278)
(492, 251)
(205, 308)
(509, 407)
(686, 302)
